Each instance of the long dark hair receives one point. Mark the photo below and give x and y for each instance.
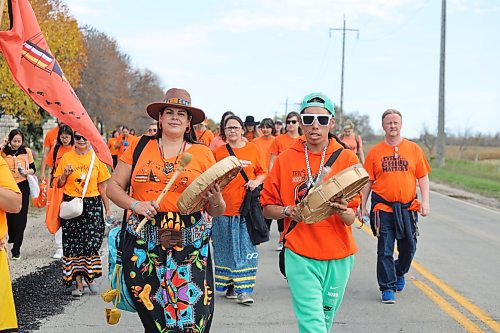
(238, 119)
(65, 129)
(290, 115)
(189, 136)
(22, 148)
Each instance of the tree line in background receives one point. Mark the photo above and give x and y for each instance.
(112, 91)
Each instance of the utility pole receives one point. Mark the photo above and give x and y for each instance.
(339, 116)
(441, 138)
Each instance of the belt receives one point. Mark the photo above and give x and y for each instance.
(191, 235)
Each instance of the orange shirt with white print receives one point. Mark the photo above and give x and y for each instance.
(20, 160)
(282, 142)
(7, 182)
(394, 177)
(205, 137)
(286, 185)
(76, 180)
(51, 138)
(264, 145)
(152, 172)
(253, 165)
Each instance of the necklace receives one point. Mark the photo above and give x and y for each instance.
(310, 181)
(169, 167)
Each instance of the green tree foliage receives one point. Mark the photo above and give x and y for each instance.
(66, 44)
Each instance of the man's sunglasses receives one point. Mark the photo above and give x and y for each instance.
(79, 137)
(152, 130)
(323, 119)
(291, 122)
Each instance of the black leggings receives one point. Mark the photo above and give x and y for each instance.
(17, 222)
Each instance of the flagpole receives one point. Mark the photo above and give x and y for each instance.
(2, 5)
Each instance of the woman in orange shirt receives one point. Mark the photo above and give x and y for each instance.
(235, 256)
(353, 141)
(19, 158)
(217, 140)
(167, 266)
(65, 142)
(112, 145)
(264, 143)
(83, 235)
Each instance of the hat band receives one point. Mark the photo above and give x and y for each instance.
(179, 101)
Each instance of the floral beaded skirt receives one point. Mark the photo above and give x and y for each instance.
(172, 287)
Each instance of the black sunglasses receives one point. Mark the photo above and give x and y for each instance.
(79, 137)
(291, 122)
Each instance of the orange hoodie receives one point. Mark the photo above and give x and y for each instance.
(324, 240)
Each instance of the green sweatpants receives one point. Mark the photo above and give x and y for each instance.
(317, 288)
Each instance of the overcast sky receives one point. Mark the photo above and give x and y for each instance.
(250, 56)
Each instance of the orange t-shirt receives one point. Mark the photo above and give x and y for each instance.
(217, 142)
(253, 165)
(60, 152)
(286, 185)
(152, 172)
(14, 161)
(353, 142)
(264, 145)
(394, 179)
(250, 136)
(76, 180)
(51, 138)
(205, 137)
(281, 143)
(111, 146)
(7, 182)
(125, 143)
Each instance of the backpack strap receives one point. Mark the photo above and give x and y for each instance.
(333, 157)
(143, 141)
(231, 152)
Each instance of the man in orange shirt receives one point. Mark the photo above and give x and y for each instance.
(395, 165)
(319, 257)
(11, 202)
(353, 141)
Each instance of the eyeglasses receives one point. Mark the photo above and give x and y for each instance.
(288, 122)
(323, 119)
(396, 149)
(232, 129)
(152, 130)
(79, 137)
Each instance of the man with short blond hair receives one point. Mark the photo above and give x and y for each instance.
(395, 165)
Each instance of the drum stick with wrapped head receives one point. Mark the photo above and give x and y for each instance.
(185, 159)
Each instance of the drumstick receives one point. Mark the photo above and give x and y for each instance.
(185, 159)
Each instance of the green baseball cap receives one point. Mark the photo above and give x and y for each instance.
(326, 104)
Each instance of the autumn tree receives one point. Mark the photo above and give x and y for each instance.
(66, 44)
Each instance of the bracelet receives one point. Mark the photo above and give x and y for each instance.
(133, 205)
(283, 211)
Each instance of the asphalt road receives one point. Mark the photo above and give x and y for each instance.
(453, 286)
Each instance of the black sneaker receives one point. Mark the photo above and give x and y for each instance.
(230, 293)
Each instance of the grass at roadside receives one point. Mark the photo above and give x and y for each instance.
(475, 177)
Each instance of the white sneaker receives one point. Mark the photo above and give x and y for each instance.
(58, 254)
(279, 247)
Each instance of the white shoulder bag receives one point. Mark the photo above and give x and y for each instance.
(32, 181)
(74, 207)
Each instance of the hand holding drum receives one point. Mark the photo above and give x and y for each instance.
(185, 159)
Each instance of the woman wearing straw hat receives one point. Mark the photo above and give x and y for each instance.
(168, 274)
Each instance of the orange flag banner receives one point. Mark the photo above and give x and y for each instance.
(37, 73)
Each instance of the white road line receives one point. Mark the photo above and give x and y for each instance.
(466, 202)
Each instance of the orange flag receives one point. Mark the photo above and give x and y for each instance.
(36, 71)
